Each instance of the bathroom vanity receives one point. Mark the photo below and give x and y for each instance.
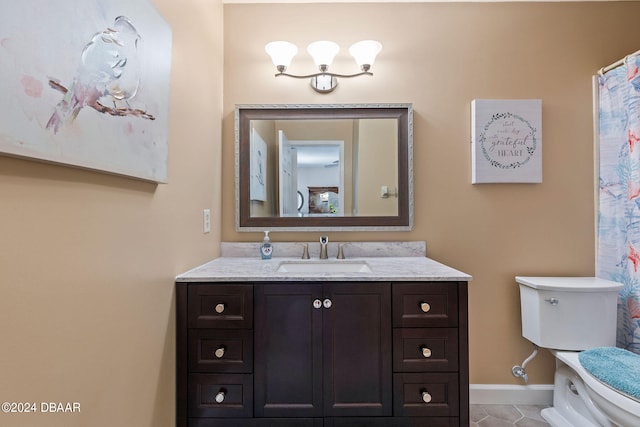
(362, 342)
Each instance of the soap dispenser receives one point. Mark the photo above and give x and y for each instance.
(266, 248)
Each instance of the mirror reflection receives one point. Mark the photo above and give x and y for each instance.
(323, 167)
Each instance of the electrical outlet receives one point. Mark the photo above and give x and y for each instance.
(206, 221)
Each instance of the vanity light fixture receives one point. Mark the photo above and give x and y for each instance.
(323, 52)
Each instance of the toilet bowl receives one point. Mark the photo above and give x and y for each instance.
(568, 315)
(581, 400)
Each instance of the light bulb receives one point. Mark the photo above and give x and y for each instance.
(365, 52)
(323, 52)
(281, 53)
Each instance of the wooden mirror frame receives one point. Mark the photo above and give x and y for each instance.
(401, 112)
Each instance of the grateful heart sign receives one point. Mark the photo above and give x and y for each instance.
(506, 141)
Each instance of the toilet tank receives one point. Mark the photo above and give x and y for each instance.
(569, 313)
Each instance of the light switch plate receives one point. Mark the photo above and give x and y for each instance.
(206, 221)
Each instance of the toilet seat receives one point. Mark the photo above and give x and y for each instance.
(620, 408)
(615, 367)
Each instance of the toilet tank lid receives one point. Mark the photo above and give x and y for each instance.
(569, 284)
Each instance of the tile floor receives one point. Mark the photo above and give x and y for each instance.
(506, 416)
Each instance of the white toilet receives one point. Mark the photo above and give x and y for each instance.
(568, 315)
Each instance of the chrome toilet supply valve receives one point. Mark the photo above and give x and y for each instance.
(518, 371)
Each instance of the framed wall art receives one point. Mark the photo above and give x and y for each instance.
(86, 83)
(258, 168)
(506, 141)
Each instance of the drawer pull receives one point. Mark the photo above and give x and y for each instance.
(426, 397)
(219, 352)
(220, 308)
(425, 307)
(426, 352)
(220, 396)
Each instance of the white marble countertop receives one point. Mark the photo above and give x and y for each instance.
(240, 269)
(387, 261)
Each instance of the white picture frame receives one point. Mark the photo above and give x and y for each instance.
(506, 141)
(258, 168)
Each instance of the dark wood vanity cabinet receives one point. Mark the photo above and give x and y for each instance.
(322, 350)
(329, 354)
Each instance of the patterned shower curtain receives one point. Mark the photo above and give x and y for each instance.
(618, 252)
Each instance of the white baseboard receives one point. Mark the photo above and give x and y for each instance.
(507, 394)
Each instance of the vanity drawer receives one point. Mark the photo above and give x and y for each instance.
(391, 422)
(264, 422)
(425, 304)
(220, 306)
(425, 349)
(220, 395)
(426, 395)
(221, 350)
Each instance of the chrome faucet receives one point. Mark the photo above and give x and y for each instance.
(305, 251)
(324, 241)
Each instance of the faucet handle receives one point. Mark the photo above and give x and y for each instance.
(324, 241)
(305, 251)
(340, 251)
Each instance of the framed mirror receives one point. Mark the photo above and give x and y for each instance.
(324, 167)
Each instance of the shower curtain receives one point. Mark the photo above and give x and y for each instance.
(618, 251)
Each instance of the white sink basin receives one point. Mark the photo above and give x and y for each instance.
(325, 266)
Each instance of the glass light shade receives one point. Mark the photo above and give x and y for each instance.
(281, 52)
(323, 52)
(365, 51)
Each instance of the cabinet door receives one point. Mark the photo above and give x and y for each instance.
(357, 349)
(288, 351)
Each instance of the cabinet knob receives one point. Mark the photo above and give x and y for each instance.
(426, 397)
(425, 307)
(426, 352)
(327, 303)
(317, 303)
(220, 308)
(219, 352)
(220, 396)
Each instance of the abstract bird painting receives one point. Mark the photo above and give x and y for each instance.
(86, 83)
(108, 72)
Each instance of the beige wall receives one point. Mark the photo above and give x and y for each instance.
(439, 57)
(378, 157)
(88, 260)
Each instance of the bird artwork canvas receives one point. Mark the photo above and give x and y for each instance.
(87, 84)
